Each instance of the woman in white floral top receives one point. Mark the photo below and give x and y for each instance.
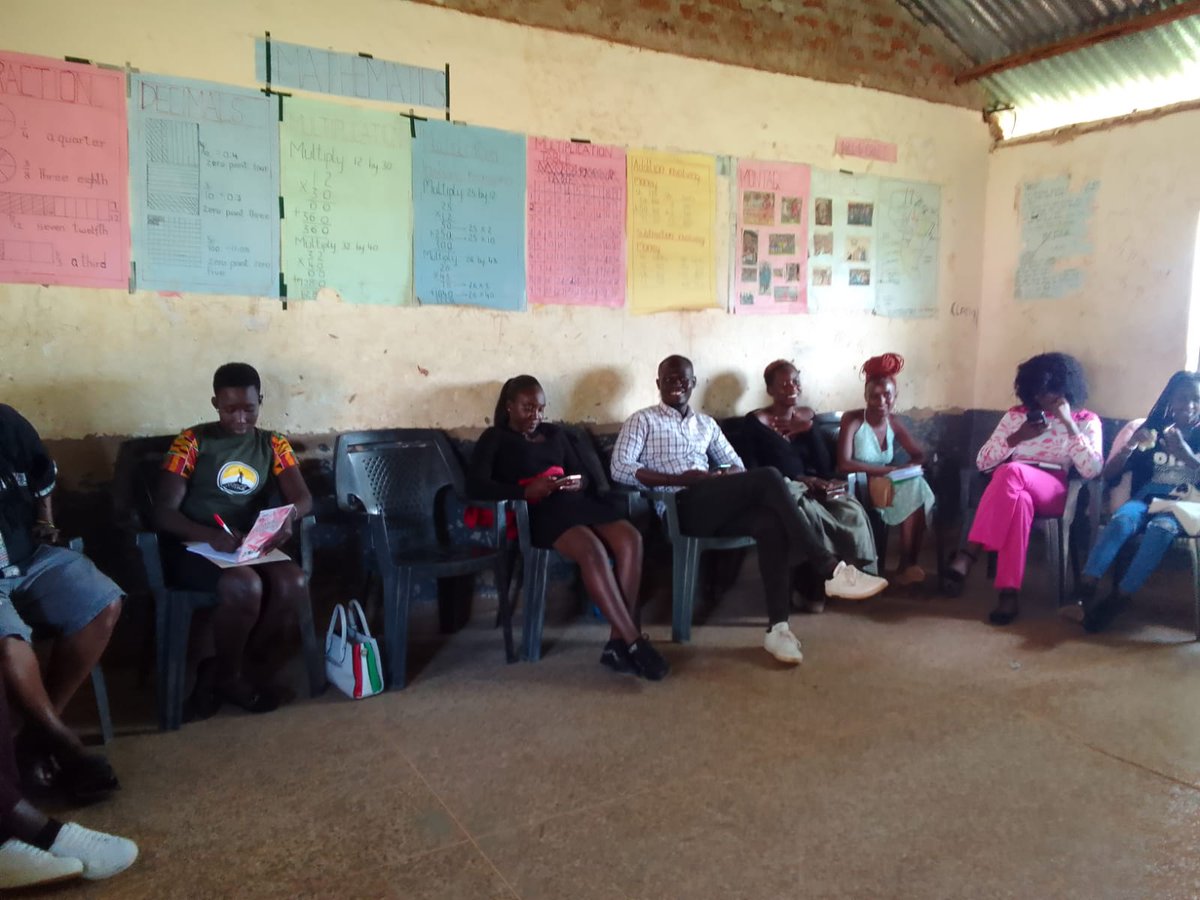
(1032, 452)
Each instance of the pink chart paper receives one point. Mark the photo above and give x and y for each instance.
(64, 201)
(770, 271)
(576, 222)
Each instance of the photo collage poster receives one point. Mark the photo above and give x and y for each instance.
(843, 248)
(771, 239)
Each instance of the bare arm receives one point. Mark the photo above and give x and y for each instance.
(168, 498)
(846, 463)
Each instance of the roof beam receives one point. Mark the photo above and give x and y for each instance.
(1079, 41)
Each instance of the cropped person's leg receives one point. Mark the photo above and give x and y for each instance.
(624, 544)
(239, 606)
(583, 546)
(1161, 531)
(63, 594)
(275, 637)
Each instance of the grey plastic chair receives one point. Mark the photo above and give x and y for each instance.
(686, 551)
(403, 480)
(173, 623)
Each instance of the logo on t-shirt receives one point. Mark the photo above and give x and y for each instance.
(237, 478)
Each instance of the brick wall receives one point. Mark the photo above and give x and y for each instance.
(871, 43)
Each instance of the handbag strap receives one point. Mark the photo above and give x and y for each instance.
(339, 615)
(359, 625)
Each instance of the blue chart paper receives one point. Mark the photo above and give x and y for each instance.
(204, 179)
(1054, 234)
(469, 216)
(906, 237)
(347, 74)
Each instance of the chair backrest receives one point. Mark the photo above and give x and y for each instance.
(135, 480)
(400, 473)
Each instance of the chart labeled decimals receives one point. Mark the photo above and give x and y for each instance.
(64, 208)
(205, 169)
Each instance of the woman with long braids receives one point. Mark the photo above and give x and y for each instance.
(867, 443)
(1162, 453)
(523, 458)
(1032, 452)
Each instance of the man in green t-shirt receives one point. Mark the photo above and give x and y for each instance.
(216, 479)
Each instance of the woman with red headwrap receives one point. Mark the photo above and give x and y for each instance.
(867, 443)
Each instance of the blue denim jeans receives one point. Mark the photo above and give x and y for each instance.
(1130, 519)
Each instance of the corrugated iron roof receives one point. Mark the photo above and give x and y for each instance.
(987, 30)
(1167, 55)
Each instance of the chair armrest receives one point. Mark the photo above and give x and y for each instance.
(499, 508)
(520, 510)
(307, 525)
(671, 511)
(624, 497)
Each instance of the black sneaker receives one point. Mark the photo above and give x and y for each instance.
(615, 655)
(649, 662)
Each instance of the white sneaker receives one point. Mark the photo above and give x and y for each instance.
(23, 865)
(103, 855)
(849, 583)
(783, 645)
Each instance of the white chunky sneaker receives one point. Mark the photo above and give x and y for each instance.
(783, 645)
(849, 583)
(24, 865)
(103, 855)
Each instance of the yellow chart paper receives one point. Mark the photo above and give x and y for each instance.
(672, 257)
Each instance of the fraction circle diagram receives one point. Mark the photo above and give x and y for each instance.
(8, 166)
(8, 122)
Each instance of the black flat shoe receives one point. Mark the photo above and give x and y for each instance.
(954, 581)
(1006, 610)
(245, 696)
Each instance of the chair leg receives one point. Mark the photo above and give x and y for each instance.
(686, 565)
(1061, 550)
(503, 609)
(314, 659)
(535, 605)
(1194, 544)
(162, 647)
(100, 689)
(176, 664)
(396, 628)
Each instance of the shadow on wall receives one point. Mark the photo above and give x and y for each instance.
(78, 408)
(596, 397)
(722, 395)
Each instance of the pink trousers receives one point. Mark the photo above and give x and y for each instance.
(1016, 494)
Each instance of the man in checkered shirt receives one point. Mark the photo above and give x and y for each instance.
(672, 447)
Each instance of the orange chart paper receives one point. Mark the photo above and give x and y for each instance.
(672, 208)
(64, 164)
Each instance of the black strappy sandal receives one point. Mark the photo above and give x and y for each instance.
(954, 581)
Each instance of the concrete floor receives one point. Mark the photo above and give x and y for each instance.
(917, 753)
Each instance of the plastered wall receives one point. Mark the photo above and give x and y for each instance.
(1129, 322)
(82, 362)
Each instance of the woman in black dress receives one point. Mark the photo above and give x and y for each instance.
(522, 458)
(783, 435)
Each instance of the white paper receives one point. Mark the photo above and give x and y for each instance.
(230, 560)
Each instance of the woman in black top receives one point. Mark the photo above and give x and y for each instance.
(783, 435)
(522, 458)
